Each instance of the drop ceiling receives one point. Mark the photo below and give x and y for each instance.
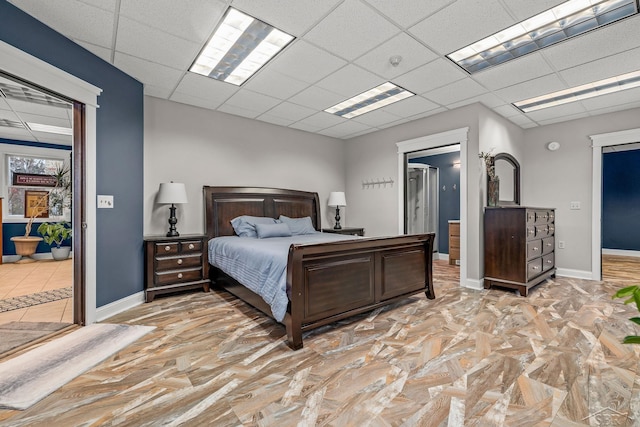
(342, 48)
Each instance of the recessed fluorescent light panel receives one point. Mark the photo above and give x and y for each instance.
(38, 127)
(385, 94)
(589, 90)
(564, 21)
(239, 47)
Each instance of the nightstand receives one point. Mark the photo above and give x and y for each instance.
(174, 264)
(354, 231)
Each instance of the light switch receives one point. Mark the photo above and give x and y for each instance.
(574, 206)
(105, 202)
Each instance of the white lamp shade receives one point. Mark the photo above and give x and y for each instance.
(336, 198)
(172, 193)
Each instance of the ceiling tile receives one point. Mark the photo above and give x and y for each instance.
(192, 20)
(344, 129)
(272, 83)
(615, 108)
(410, 106)
(517, 71)
(376, 118)
(306, 62)
(611, 39)
(523, 9)
(74, 19)
(413, 55)
(350, 81)
(489, 100)
(536, 87)
(213, 91)
(507, 110)
(155, 45)
(569, 109)
(351, 30)
(456, 91)
(157, 91)
(610, 66)
(293, 16)
(274, 120)
(521, 120)
(252, 101)
(16, 133)
(194, 100)
(610, 100)
(462, 23)
(552, 120)
(290, 111)
(317, 98)
(149, 72)
(239, 111)
(46, 120)
(409, 12)
(322, 120)
(305, 127)
(431, 76)
(101, 52)
(38, 109)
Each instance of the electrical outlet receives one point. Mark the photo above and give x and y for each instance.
(574, 206)
(105, 202)
(561, 244)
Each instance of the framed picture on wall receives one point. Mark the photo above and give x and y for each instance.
(36, 204)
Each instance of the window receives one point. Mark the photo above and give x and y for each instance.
(38, 175)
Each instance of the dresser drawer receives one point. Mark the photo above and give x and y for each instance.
(542, 231)
(175, 262)
(177, 276)
(548, 261)
(548, 245)
(542, 217)
(534, 249)
(534, 268)
(531, 217)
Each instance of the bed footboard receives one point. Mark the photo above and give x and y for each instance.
(332, 281)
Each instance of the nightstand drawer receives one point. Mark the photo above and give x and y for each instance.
(191, 246)
(174, 262)
(167, 248)
(177, 276)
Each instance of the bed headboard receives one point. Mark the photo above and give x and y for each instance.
(222, 204)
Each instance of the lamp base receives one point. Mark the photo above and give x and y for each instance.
(337, 226)
(172, 222)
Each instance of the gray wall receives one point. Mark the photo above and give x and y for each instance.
(203, 147)
(556, 178)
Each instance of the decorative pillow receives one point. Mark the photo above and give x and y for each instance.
(245, 225)
(299, 225)
(273, 230)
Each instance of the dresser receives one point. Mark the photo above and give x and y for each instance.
(174, 264)
(519, 245)
(353, 231)
(454, 242)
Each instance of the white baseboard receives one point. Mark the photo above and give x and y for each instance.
(620, 252)
(575, 274)
(113, 308)
(443, 257)
(475, 284)
(43, 255)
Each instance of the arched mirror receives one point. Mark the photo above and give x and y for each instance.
(508, 170)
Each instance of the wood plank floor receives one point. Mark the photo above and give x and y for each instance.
(473, 358)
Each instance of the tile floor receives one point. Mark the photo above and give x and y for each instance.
(25, 279)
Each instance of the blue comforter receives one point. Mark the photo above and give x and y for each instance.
(261, 264)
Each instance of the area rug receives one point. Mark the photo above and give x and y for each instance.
(25, 301)
(30, 377)
(16, 334)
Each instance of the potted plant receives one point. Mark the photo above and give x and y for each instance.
(632, 295)
(57, 233)
(26, 245)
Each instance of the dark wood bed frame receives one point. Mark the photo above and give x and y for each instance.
(328, 281)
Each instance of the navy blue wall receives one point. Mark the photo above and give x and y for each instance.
(17, 228)
(621, 200)
(449, 198)
(120, 127)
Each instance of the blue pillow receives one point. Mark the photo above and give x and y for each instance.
(245, 225)
(299, 225)
(273, 230)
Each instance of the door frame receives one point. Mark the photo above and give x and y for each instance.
(40, 73)
(455, 136)
(597, 143)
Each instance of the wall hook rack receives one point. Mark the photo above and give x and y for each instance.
(366, 183)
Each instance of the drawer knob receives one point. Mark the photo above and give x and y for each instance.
(191, 246)
(180, 261)
(179, 275)
(167, 248)
(535, 267)
(536, 249)
(548, 244)
(549, 261)
(531, 231)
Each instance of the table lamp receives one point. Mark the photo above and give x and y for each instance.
(172, 193)
(337, 199)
